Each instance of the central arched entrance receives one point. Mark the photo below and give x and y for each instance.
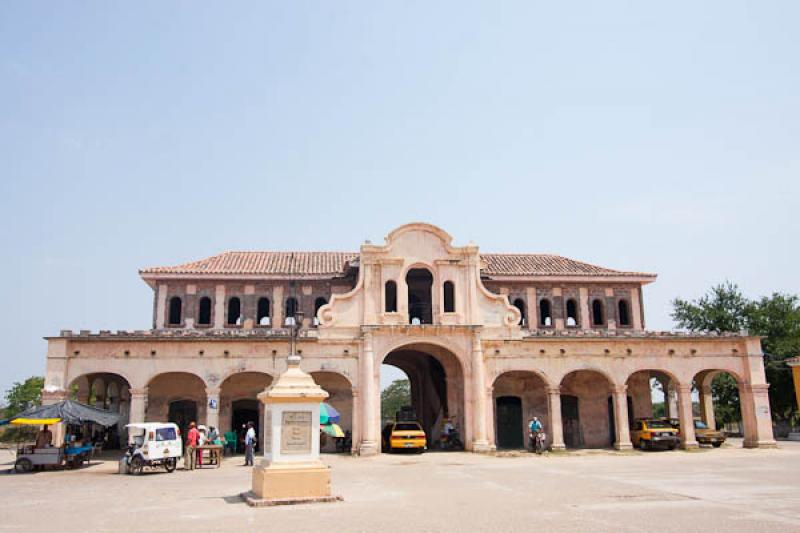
(436, 380)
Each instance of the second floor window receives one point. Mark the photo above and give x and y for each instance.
(598, 317)
(234, 311)
(262, 312)
(519, 303)
(291, 310)
(390, 296)
(624, 314)
(572, 312)
(545, 313)
(204, 311)
(175, 311)
(449, 297)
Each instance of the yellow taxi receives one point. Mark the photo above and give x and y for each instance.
(407, 436)
(649, 433)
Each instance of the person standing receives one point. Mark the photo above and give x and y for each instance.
(249, 445)
(44, 439)
(192, 438)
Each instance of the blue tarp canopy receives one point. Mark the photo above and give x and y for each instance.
(71, 412)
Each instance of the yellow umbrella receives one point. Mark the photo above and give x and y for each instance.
(35, 421)
(333, 430)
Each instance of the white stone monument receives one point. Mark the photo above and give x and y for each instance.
(291, 471)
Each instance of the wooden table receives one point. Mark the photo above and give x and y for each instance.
(214, 454)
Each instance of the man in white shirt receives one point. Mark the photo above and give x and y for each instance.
(249, 445)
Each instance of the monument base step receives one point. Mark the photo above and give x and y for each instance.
(253, 500)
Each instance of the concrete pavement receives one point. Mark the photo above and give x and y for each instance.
(708, 490)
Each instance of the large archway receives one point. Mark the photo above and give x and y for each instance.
(587, 413)
(519, 396)
(109, 391)
(239, 404)
(340, 397)
(437, 386)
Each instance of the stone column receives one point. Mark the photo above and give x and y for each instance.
(756, 416)
(212, 407)
(479, 441)
(138, 405)
(707, 406)
(556, 427)
(161, 306)
(355, 430)
(278, 306)
(621, 426)
(369, 439)
(586, 317)
(671, 409)
(686, 417)
(219, 307)
(491, 437)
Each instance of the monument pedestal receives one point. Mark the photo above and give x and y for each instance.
(291, 471)
(288, 484)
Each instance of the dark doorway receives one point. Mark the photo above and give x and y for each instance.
(420, 308)
(571, 422)
(242, 412)
(509, 423)
(182, 412)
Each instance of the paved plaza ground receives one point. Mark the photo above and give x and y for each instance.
(730, 489)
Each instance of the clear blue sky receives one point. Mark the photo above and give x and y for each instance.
(637, 135)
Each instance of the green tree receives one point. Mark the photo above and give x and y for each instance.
(20, 397)
(393, 397)
(775, 317)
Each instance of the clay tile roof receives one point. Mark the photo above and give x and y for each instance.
(545, 265)
(334, 263)
(266, 263)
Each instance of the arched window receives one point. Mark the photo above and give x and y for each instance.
(390, 290)
(291, 310)
(449, 297)
(624, 314)
(175, 311)
(262, 311)
(597, 313)
(204, 311)
(572, 312)
(234, 311)
(519, 303)
(545, 315)
(420, 285)
(319, 302)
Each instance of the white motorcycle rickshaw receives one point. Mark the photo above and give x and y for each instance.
(152, 445)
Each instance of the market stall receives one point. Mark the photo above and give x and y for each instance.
(76, 447)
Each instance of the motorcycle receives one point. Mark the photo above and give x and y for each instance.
(451, 441)
(538, 442)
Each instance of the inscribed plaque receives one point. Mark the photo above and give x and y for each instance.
(296, 432)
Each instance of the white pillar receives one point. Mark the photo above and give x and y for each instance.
(756, 416)
(707, 407)
(623, 434)
(369, 440)
(138, 405)
(212, 408)
(479, 441)
(556, 426)
(688, 439)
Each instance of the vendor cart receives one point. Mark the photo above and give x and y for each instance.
(72, 453)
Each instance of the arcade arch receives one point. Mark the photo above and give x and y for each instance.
(340, 397)
(517, 397)
(587, 412)
(178, 397)
(239, 403)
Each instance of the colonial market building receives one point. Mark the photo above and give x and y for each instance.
(488, 340)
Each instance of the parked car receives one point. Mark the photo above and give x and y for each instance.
(650, 433)
(405, 436)
(702, 433)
